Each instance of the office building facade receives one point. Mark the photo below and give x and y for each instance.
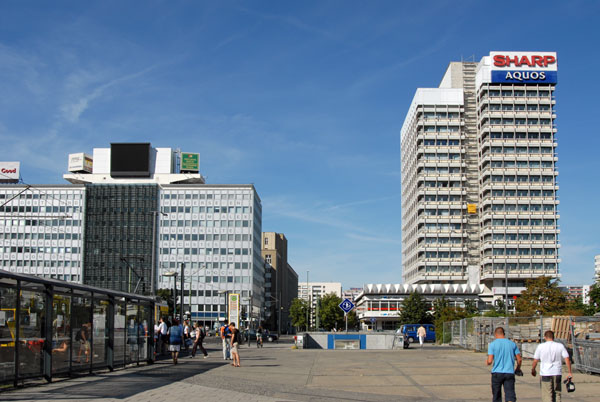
(41, 230)
(133, 215)
(281, 283)
(479, 202)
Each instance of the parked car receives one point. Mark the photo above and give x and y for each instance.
(410, 331)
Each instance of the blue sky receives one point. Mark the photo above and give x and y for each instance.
(303, 99)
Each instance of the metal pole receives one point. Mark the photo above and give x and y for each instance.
(152, 270)
(182, 312)
(307, 301)
(506, 290)
(346, 318)
(174, 295)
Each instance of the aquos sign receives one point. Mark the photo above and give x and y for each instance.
(523, 67)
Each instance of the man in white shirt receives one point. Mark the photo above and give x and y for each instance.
(550, 355)
(162, 336)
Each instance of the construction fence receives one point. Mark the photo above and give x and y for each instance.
(581, 335)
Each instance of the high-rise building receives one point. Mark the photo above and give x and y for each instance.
(281, 285)
(479, 186)
(597, 268)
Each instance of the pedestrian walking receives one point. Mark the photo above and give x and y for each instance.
(175, 339)
(200, 334)
(235, 342)
(502, 353)
(550, 355)
(421, 333)
(225, 334)
(161, 335)
(187, 337)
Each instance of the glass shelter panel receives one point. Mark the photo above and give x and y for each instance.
(82, 332)
(100, 332)
(132, 332)
(31, 335)
(61, 331)
(119, 335)
(8, 308)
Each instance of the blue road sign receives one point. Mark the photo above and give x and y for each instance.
(346, 305)
(373, 320)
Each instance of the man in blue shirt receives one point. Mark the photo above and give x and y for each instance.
(502, 353)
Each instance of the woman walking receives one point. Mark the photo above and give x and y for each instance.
(175, 339)
(235, 342)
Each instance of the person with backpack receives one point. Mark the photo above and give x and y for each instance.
(225, 334)
(200, 334)
(175, 339)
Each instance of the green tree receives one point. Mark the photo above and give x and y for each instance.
(497, 309)
(594, 306)
(444, 315)
(471, 307)
(542, 296)
(298, 311)
(330, 313)
(415, 310)
(167, 296)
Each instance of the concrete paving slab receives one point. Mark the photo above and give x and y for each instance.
(276, 373)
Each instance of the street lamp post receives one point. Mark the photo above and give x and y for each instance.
(182, 312)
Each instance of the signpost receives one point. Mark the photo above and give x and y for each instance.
(346, 306)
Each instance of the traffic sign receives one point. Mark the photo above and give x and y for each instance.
(373, 320)
(346, 305)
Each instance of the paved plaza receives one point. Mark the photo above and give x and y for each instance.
(278, 373)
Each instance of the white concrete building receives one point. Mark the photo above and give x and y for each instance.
(317, 290)
(597, 268)
(41, 230)
(479, 186)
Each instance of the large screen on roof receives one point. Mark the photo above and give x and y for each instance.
(130, 159)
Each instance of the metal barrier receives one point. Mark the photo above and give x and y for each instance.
(581, 335)
(585, 333)
(52, 328)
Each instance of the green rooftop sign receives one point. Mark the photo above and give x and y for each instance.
(190, 162)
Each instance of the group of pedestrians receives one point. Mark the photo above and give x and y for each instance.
(178, 336)
(502, 354)
(230, 339)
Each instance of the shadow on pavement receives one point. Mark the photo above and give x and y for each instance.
(118, 385)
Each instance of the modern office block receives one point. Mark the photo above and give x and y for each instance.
(41, 230)
(479, 202)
